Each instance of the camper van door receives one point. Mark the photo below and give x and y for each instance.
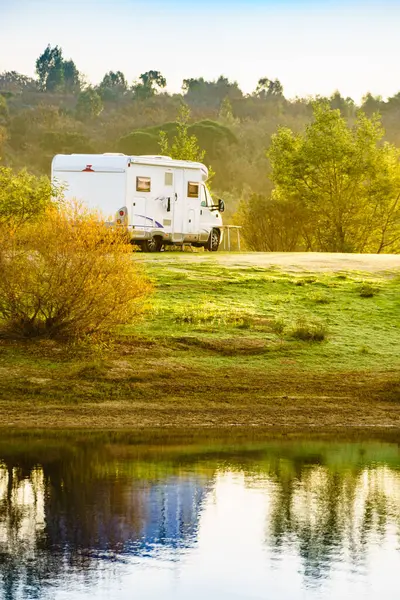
(192, 203)
(178, 205)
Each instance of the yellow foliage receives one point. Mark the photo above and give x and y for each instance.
(68, 275)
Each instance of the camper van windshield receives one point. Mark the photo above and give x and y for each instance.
(208, 196)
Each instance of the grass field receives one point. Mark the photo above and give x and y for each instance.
(225, 342)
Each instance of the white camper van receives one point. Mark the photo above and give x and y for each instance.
(161, 201)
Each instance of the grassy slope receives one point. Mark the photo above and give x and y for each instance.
(218, 349)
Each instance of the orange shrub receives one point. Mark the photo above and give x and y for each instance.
(68, 275)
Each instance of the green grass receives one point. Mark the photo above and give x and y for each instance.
(206, 301)
(221, 346)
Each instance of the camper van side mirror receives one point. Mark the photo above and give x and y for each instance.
(203, 203)
(221, 205)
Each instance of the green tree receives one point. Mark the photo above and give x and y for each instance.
(343, 179)
(72, 79)
(184, 146)
(345, 105)
(112, 86)
(226, 113)
(89, 104)
(49, 68)
(3, 139)
(372, 104)
(150, 83)
(3, 109)
(199, 92)
(267, 88)
(56, 74)
(23, 197)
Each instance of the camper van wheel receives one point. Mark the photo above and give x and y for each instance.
(154, 244)
(213, 241)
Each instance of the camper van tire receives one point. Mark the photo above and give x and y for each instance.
(154, 244)
(213, 241)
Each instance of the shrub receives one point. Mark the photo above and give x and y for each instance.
(67, 275)
(367, 290)
(307, 330)
(269, 224)
(214, 314)
(320, 298)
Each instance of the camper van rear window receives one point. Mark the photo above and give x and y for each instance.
(193, 190)
(143, 184)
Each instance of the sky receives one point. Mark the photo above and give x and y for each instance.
(312, 46)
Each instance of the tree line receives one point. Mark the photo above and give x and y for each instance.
(266, 151)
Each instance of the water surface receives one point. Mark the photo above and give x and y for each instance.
(110, 519)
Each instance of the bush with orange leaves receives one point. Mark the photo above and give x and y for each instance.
(67, 275)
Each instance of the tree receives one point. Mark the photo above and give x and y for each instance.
(56, 74)
(343, 179)
(345, 105)
(49, 68)
(3, 110)
(385, 202)
(11, 81)
(112, 86)
(72, 79)
(184, 146)
(23, 197)
(267, 88)
(3, 139)
(372, 104)
(150, 83)
(200, 92)
(89, 104)
(226, 113)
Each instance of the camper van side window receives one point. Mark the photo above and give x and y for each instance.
(143, 184)
(193, 190)
(169, 178)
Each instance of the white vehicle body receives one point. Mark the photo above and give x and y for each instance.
(159, 200)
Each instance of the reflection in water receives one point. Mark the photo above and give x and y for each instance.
(333, 516)
(290, 520)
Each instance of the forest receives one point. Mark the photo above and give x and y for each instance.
(317, 174)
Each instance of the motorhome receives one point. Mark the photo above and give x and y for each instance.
(159, 200)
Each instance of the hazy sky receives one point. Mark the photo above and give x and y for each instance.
(313, 47)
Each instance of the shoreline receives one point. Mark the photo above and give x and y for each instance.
(310, 402)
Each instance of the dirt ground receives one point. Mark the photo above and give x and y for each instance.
(290, 261)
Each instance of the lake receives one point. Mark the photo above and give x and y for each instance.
(112, 516)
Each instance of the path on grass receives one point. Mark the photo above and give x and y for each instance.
(289, 261)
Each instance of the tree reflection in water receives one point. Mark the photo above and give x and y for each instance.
(330, 514)
(72, 508)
